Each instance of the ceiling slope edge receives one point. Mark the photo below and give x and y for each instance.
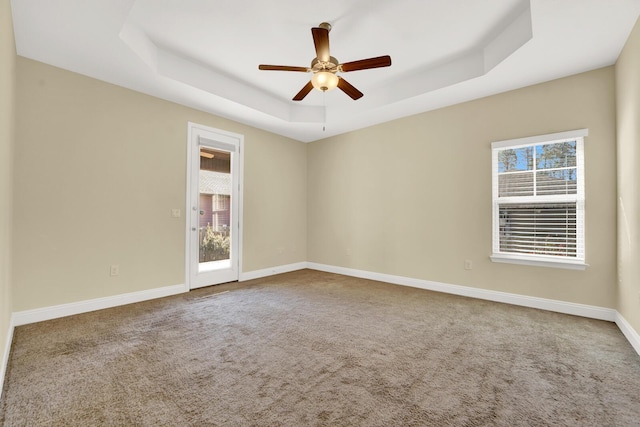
(505, 38)
(170, 65)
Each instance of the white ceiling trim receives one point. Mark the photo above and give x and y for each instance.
(204, 54)
(505, 38)
(165, 63)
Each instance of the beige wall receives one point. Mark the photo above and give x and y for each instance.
(275, 204)
(7, 78)
(98, 169)
(7, 114)
(412, 197)
(628, 117)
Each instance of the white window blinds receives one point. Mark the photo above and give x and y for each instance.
(538, 198)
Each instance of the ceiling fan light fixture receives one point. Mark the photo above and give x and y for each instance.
(324, 81)
(325, 67)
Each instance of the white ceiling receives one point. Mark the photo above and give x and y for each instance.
(205, 53)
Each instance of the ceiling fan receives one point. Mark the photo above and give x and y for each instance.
(325, 67)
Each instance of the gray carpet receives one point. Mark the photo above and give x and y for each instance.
(314, 349)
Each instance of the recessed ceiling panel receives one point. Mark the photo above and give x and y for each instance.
(205, 54)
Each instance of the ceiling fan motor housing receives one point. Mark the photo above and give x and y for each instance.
(331, 65)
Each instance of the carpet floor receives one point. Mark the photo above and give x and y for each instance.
(316, 349)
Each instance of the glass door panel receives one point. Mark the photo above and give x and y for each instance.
(214, 225)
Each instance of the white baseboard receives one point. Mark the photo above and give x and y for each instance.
(257, 274)
(601, 313)
(47, 313)
(5, 356)
(590, 311)
(630, 334)
(53, 312)
(583, 310)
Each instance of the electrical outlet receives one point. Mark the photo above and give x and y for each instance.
(175, 213)
(114, 270)
(468, 265)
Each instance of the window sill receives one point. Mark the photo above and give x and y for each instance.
(538, 262)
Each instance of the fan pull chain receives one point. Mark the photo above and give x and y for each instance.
(324, 104)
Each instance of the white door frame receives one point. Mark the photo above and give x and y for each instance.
(197, 133)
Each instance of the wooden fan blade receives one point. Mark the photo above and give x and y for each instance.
(304, 92)
(347, 88)
(364, 64)
(321, 42)
(282, 68)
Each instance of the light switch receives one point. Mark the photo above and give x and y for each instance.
(175, 213)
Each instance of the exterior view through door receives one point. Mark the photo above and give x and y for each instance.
(213, 240)
(214, 225)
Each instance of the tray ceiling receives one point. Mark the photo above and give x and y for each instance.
(205, 54)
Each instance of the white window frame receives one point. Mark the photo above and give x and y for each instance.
(579, 261)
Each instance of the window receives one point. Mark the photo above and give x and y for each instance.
(220, 202)
(538, 200)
